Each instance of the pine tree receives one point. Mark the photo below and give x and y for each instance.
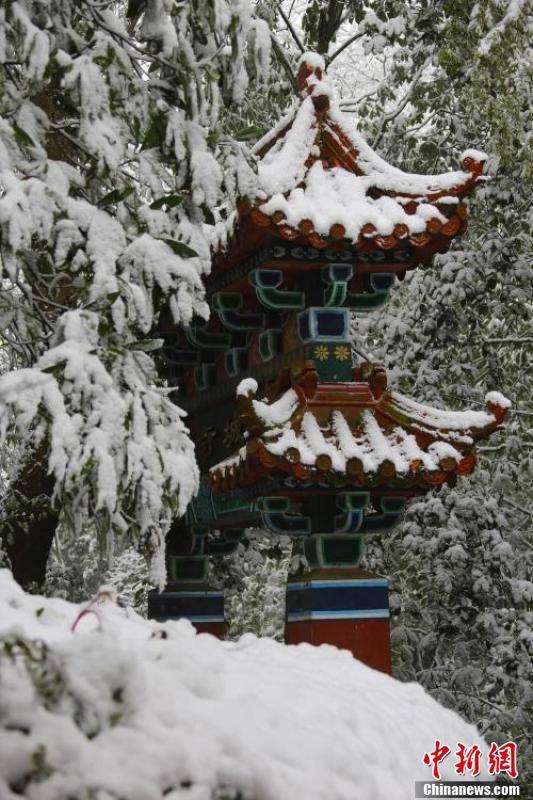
(113, 163)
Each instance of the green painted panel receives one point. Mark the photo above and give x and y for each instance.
(188, 568)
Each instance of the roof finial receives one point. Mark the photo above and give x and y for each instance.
(310, 83)
(473, 161)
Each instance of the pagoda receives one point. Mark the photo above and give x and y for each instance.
(292, 433)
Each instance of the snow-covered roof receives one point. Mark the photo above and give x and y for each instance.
(319, 179)
(359, 430)
(128, 707)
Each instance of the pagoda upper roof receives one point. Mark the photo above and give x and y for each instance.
(358, 433)
(320, 182)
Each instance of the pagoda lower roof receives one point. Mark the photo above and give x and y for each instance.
(345, 434)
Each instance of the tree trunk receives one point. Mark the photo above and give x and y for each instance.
(328, 25)
(30, 521)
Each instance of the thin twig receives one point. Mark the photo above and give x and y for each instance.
(348, 105)
(400, 107)
(517, 507)
(283, 60)
(343, 46)
(290, 27)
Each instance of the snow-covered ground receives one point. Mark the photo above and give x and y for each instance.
(127, 708)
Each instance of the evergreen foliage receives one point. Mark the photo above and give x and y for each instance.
(113, 163)
(461, 563)
(254, 580)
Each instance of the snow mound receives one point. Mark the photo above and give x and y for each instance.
(127, 708)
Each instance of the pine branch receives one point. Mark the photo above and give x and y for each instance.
(509, 340)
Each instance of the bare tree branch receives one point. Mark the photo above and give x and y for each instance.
(343, 47)
(387, 118)
(291, 28)
(282, 58)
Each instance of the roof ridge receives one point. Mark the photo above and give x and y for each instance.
(314, 83)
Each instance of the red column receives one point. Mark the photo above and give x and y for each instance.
(347, 608)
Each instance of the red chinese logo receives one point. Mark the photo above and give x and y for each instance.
(500, 759)
(436, 757)
(467, 760)
(503, 759)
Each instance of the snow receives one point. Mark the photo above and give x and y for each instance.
(247, 387)
(123, 707)
(513, 11)
(110, 434)
(349, 447)
(278, 412)
(315, 440)
(475, 155)
(314, 60)
(37, 43)
(263, 46)
(285, 120)
(333, 195)
(369, 442)
(283, 167)
(390, 177)
(229, 464)
(336, 196)
(335, 439)
(157, 25)
(443, 419)
(497, 399)
(80, 174)
(279, 440)
(372, 445)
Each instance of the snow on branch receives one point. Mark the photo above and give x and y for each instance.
(118, 447)
(112, 176)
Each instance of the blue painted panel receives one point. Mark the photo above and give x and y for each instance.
(337, 598)
(209, 606)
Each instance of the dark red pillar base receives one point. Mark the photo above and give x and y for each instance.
(217, 629)
(345, 607)
(368, 639)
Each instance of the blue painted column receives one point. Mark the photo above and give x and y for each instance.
(348, 608)
(188, 596)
